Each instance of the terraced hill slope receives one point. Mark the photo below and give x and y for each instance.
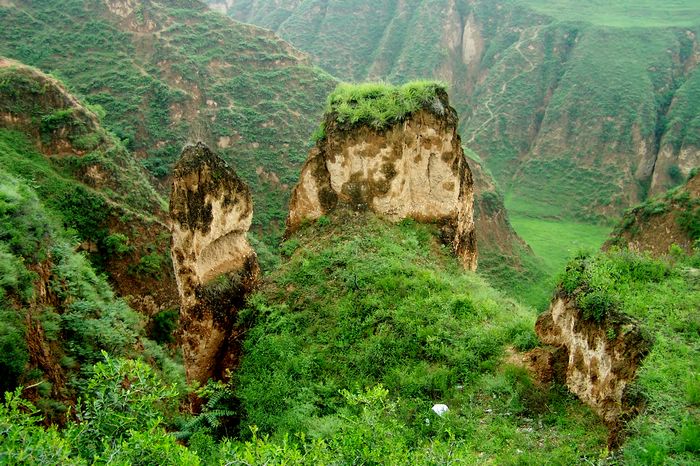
(89, 180)
(579, 110)
(171, 72)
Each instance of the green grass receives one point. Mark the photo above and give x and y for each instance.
(556, 241)
(380, 105)
(362, 303)
(622, 13)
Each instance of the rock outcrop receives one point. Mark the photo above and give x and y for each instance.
(601, 358)
(211, 211)
(414, 168)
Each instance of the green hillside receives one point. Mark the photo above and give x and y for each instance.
(350, 343)
(362, 304)
(569, 104)
(171, 72)
(622, 13)
(56, 312)
(360, 329)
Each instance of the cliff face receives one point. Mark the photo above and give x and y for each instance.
(415, 168)
(600, 358)
(211, 211)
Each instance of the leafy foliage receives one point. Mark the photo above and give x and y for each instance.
(119, 421)
(122, 397)
(67, 308)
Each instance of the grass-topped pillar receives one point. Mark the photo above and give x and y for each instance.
(211, 211)
(394, 151)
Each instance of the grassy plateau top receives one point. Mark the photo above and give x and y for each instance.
(380, 105)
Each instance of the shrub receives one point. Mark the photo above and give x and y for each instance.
(675, 174)
(596, 305)
(24, 441)
(118, 243)
(122, 397)
(288, 247)
(150, 265)
(14, 355)
(163, 324)
(56, 120)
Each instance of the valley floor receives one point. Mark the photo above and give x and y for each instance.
(555, 241)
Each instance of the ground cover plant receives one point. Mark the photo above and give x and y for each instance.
(557, 241)
(622, 13)
(362, 304)
(57, 312)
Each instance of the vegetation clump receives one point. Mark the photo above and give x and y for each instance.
(380, 105)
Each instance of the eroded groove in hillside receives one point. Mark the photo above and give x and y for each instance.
(504, 87)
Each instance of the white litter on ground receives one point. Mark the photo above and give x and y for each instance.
(440, 409)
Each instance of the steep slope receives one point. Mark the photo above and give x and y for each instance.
(663, 221)
(56, 312)
(89, 180)
(371, 323)
(570, 107)
(170, 72)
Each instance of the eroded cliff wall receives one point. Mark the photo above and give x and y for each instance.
(211, 211)
(601, 357)
(665, 221)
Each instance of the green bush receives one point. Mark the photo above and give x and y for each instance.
(118, 244)
(14, 355)
(150, 265)
(596, 305)
(24, 441)
(163, 324)
(288, 247)
(56, 120)
(675, 174)
(122, 398)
